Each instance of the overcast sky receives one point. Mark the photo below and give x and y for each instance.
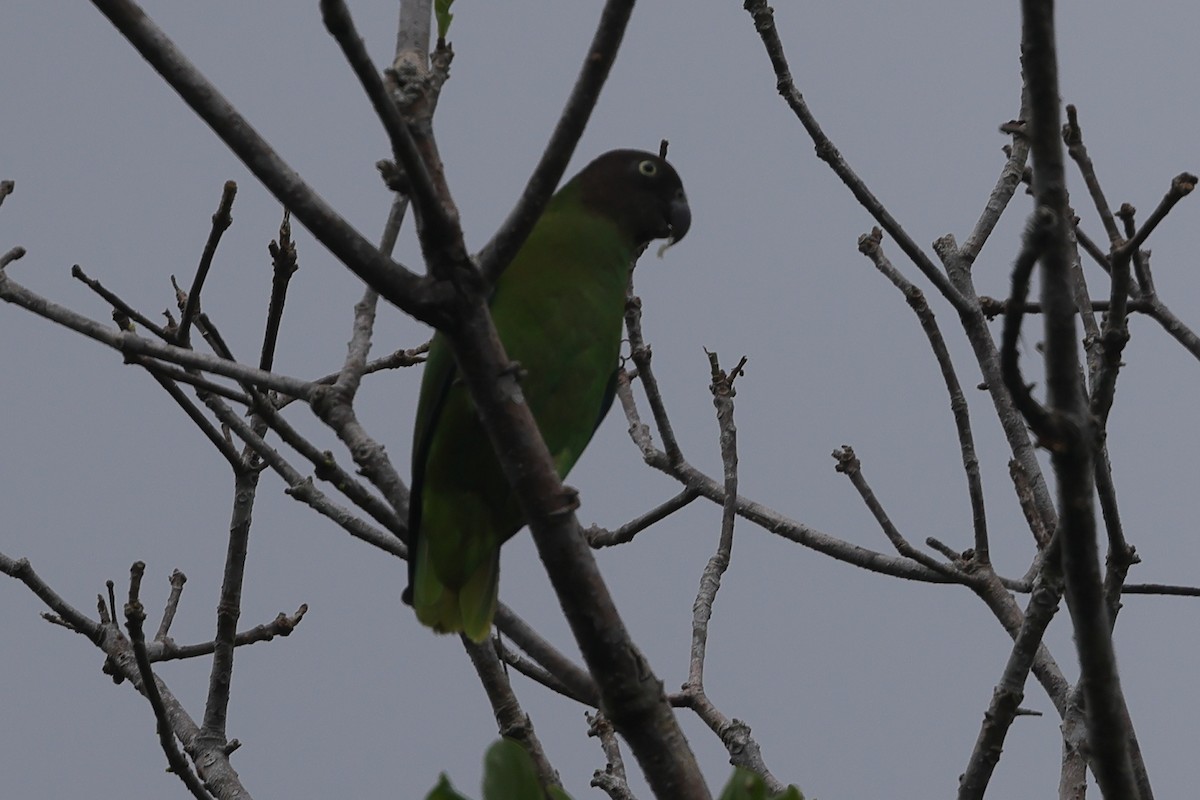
(855, 685)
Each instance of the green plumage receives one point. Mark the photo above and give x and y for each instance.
(558, 309)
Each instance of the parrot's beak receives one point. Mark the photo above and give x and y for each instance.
(679, 215)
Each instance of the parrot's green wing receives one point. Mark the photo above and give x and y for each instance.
(558, 309)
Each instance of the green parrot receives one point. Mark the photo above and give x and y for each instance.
(558, 309)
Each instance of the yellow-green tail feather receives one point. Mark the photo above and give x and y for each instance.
(469, 610)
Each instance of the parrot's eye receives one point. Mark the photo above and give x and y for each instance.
(648, 168)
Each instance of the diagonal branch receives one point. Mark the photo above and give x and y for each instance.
(221, 220)
(764, 23)
(511, 720)
(1009, 692)
(870, 246)
(130, 344)
(406, 290)
(574, 117)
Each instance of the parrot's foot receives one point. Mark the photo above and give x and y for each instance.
(570, 502)
(515, 369)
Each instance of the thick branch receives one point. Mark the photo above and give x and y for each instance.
(1071, 449)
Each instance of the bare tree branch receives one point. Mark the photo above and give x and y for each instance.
(611, 780)
(599, 537)
(1070, 437)
(221, 220)
(283, 267)
(135, 616)
(511, 719)
(870, 246)
(764, 24)
(639, 354)
(130, 344)
(849, 465)
(1010, 691)
(601, 54)
(401, 287)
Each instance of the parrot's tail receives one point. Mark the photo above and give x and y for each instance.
(468, 609)
(478, 597)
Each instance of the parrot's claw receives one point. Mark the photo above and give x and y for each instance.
(570, 502)
(515, 369)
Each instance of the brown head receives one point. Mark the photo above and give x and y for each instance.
(640, 192)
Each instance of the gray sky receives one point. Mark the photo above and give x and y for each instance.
(855, 685)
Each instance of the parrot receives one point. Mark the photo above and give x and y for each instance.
(558, 309)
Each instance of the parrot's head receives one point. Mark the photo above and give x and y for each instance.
(640, 192)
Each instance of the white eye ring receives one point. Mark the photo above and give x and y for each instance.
(648, 168)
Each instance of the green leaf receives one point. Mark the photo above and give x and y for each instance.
(746, 785)
(444, 791)
(441, 11)
(509, 774)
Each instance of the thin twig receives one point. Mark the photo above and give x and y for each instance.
(522, 634)
(723, 392)
(355, 365)
(130, 344)
(282, 625)
(998, 200)
(639, 354)
(229, 606)
(435, 217)
(410, 292)
(283, 267)
(119, 305)
(388, 511)
(177, 580)
(1033, 247)
(212, 764)
(769, 519)
(135, 617)
(870, 246)
(221, 220)
(599, 537)
(743, 749)
(979, 336)
(511, 720)
(302, 488)
(76, 620)
(176, 375)
(993, 308)
(223, 445)
(805, 535)
(334, 404)
(764, 23)
(532, 670)
(849, 465)
(639, 431)
(1174, 326)
(1009, 692)
(612, 779)
(10, 256)
(601, 53)
(1181, 186)
(1077, 150)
